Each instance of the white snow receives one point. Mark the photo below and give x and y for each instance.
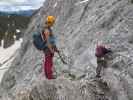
(7, 56)
(7, 53)
(17, 30)
(81, 2)
(5, 67)
(14, 37)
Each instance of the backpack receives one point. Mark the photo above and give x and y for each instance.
(39, 41)
(101, 51)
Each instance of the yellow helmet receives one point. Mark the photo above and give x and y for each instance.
(51, 20)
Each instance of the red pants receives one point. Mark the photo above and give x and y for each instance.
(48, 65)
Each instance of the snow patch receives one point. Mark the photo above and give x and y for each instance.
(5, 67)
(8, 52)
(14, 37)
(2, 43)
(7, 56)
(17, 30)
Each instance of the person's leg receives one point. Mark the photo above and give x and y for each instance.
(104, 64)
(99, 68)
(48, 65)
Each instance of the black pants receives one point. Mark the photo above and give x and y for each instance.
(101, 63)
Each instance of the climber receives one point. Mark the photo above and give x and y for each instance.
(51, 47)
(45, 41)
(102, 55)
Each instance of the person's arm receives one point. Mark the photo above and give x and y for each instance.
(46, 32)
(107, 50)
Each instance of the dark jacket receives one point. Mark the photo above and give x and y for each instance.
(101, 51)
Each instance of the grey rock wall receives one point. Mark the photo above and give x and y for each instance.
(79, 27)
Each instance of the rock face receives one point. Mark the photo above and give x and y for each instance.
(80, 25)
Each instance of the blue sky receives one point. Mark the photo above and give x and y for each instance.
(14, 5)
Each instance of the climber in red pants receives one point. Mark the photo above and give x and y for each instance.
(45, 41)
(48, 36)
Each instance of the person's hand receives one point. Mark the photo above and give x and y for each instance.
(56, 50)
(52, 51)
